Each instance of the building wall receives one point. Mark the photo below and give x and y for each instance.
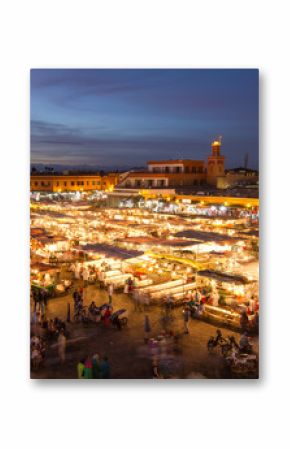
(230, 180)
(153, 180)
(69, 183)
(176, 166)
(179, 172)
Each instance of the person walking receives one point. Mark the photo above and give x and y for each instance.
(75, 296)
(130, 285)
(61, 343)
(96, 366)
(186, 319)
(126, 288)
(105, 368)
(169, 303)
(77, 271)
(88, 369)
(141, 301)
(107, 316)
(147, 328)
(80, 369)
(244, 321)
(85, 276)
(146, 301)
(137, 301)
(111, 291)
(101, 278)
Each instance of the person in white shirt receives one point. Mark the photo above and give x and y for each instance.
(85, 275)
(35, 340)
(111, 291)
(61, 343)
(77, 271)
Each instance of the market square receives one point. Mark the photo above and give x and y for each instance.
(144, 219)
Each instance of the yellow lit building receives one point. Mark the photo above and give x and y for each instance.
(178, 173)
(70, 183)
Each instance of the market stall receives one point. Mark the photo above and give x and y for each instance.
(229, 295)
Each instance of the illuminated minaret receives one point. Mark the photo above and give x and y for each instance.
(215, 162)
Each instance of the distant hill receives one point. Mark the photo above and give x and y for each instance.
(58, 168)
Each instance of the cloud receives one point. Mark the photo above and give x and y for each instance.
(61, 142)
(112, 116)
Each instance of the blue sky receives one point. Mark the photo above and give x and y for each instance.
(122, 118)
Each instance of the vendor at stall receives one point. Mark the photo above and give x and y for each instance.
(47, 279)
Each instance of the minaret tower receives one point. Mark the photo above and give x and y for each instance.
(215, 162)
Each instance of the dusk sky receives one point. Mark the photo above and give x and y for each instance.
(123, 118)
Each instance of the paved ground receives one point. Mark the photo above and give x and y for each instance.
(128, 356)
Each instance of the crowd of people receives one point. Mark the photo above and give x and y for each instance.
(94, 368)
(197, 300)
(141, 300)
(39, 297)
(229, 345)
(37, 350)
(94, 313)
(44, 332)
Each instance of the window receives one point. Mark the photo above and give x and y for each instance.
(72, 183)
(57, 183)
(42, 183)
(64, 183)
(36, 183)
(88, 183)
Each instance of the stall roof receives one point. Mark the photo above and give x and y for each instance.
(43, 238)
(40, 266)
(206, 236)
(109, 250)
(37, 232)
(251, 233)
(159, 241)
(119, 222)
(51, 213)
(59, 238)
(224, 277)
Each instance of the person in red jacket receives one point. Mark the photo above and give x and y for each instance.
(107, 315)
